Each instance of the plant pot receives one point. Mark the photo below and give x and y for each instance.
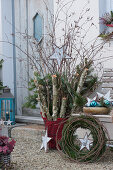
(96, 110)
(52, 128)
(5, 160)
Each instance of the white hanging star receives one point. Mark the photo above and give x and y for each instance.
(59, 55)
(45, 141)
(85, 143)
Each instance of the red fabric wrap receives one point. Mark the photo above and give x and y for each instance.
(109, 25)
(52, 128)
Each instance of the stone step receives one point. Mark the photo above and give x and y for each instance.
(108, 70)
(107, 85)
(108, 74)
(29, 119)
(31, 112)
(107, 79)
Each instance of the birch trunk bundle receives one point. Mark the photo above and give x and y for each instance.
(59, 102)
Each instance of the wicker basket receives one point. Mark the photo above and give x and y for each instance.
(5, 160)
(96, 110)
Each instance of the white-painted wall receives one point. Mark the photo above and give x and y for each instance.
(6, 48)
(23, 70)
(97, 9)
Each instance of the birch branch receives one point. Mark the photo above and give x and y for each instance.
(39, 98)
(81, 81)
(55, 97)
(44, 103)
(79, 88)
(63, 107)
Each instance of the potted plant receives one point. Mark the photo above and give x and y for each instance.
(6, 147)
(59, 96)
(63, 73)
(107, 20)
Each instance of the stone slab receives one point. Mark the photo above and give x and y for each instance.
(31, 112)
(107, 69)
(108, 74)
(107, 85)
(29, 119)
(107, 80)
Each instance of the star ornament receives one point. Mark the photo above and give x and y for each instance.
(85, 143)
(89, 101)
(45, 141)
(9, 122)
(106, 96)
(59, 55)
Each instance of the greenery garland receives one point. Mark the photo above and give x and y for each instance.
(69, 146)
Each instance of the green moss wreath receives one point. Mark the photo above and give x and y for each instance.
(71, 149)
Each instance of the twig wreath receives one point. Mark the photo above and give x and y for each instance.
(69, 145)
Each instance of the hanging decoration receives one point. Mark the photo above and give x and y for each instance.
(59, 55)
(83, 150)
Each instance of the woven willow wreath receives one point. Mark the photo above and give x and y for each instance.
(68, 145)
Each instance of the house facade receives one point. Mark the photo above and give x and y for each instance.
(21, 19)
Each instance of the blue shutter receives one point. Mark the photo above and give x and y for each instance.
(38, 26)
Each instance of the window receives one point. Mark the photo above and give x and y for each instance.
(38, 27)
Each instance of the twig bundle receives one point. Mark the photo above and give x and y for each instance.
(69, 147)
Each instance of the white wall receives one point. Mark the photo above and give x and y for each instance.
(0, 30)
(77, 8)
(95, 12)
(7, 52)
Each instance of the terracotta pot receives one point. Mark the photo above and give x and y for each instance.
(96, 110)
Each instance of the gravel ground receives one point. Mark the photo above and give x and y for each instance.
(27, 154)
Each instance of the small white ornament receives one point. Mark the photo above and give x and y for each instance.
(100, 95)
(45, 141)
(85, 143)
(59, 55)
(106, 96)
(9, 122)
(89, 101)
